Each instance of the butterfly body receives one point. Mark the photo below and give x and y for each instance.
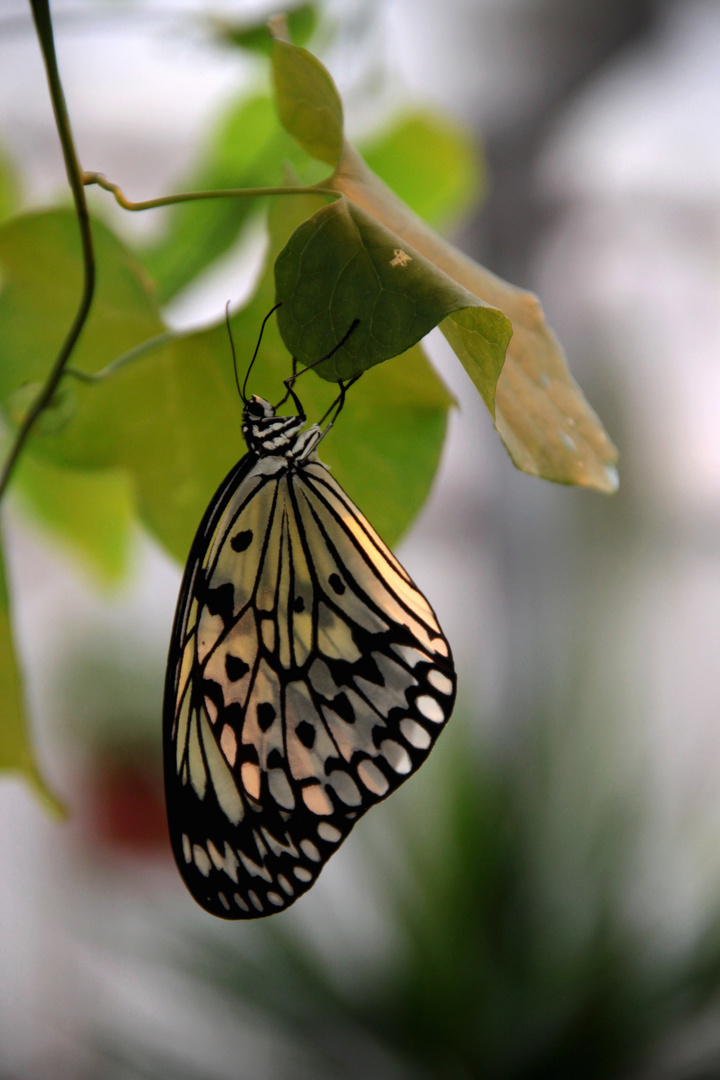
(307, 677)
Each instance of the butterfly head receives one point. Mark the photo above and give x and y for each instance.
(267, 434)
(257, 408)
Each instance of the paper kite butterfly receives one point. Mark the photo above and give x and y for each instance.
(307, 677)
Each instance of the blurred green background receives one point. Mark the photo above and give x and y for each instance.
(541, 900)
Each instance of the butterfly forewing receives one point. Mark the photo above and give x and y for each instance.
(307, 678)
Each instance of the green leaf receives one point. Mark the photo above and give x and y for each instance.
(88, 512)
(42, 279)
(431, 163)
(16, 754)
(301, 21)
(342, 266)
(169, 419)
(308, 103)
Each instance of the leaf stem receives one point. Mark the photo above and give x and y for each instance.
(189, 196)
(43, 25)
(124, 358)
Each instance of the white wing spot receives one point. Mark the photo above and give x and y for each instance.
(411, 656)
(372, 778)
(230, 863)
(202, 859)
(254, 869)
(328, 832)
(240, 902)
(440, 682)
(251, 779)
(396, 756)
(276, 899)
(215, 855)
(308, 848)
(255, 900)
(228, 744)
(262, 849)
(187, 847)
(280, 789)
(344, 787)
(223, 900)
(316, 800)
(415, 734)
(279, 848)
(430, 708)
(302, 874)
(285, 885)
(440, 645)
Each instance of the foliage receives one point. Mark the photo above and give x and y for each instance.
(145, 415)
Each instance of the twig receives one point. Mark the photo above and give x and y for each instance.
(43, 25)
(125, 358)
(189, 196)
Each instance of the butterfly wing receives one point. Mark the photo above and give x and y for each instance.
(307, 678)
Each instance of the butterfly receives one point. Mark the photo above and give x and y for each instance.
(307, 675)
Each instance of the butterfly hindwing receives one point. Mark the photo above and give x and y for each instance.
(307, 679)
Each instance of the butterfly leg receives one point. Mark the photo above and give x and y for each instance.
(289, 382)
(338, 403)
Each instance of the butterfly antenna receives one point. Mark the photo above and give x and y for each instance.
(232, 348)
(257, 349)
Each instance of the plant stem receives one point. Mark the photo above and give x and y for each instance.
(189, 196)
(125, 358)
(43, 25)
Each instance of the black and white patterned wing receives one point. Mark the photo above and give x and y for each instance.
(382, 680)
(215, 654)
(308, 677)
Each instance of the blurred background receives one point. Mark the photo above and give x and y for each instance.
(543, 898)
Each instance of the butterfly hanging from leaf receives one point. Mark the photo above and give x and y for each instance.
(307, 676)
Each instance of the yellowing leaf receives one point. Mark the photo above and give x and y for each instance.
(545, 422)
(540, 412)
